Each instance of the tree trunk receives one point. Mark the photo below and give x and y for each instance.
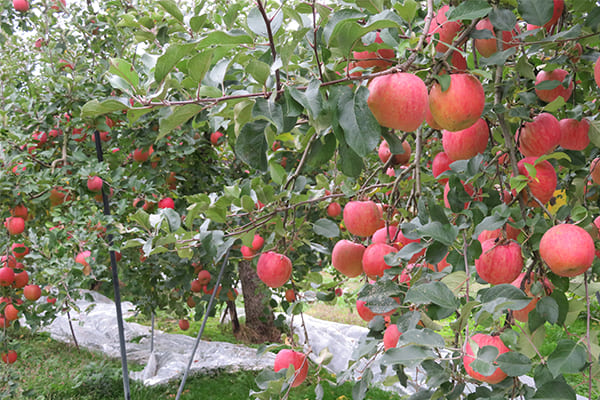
(260, 322)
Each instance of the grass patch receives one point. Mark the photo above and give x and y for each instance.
(50, 370)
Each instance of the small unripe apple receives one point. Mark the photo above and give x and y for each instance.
(483, 340)
(346, 257)
(274, 269)
(32, 292)
(285, 358)
(362, 218)
(574, 134)
(373, 261)
(184, 324)
(15, 225)
(334, 209)
(94, 184)
(391, 336)
(466, 143)
(398, 101)
(567, 249)
(549, 95)
(460, 106)
(499, 262)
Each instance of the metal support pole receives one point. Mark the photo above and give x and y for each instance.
(115, 279)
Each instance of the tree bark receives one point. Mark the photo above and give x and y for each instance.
(260, 322)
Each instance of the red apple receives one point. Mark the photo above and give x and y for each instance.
(19, 250)
(204, 277)
(21, 279)
(334, 209)
(377, 60)
(544, 183)
(214, 138)
(487, 47)
(549, 95)
(11, 313)
(15, 225)
(446, 30)
(363, 311)
(373, 259)
(346, 257)
(184, 324)
(460, 106)
(595, 171)
(391, 336)
(286, 358)
(523, 314)
(81, 258)
(257, 243)
(430, 121)
(32, 292)
(290, 295)
(483, 340)
(247, 253)
(465, 144)
(362, 218)
(94, 184)
(597, 72)
(141, 155)
(441, 163)
(499, 262)
(167, 202)
(574, 134)
(274, 269)
(559, 6)
(21, 5)
(10, 357)
(385, 153)
(195, 286)
(567, 249)
(8, 261)
(458, 63)
(398, 101)
(19, 211)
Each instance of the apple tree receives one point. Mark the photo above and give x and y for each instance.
(459, 139)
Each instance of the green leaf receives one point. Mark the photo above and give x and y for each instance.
(259, 71)
(197, 22)
(124, 70)
(277, 172)
(94, 108)
(321, 151)
(432, 293)
(408, 10)
(409, 356)
(393, 141)
(436, 252)
(199, 65)
(555, 390)
(372, 6)
(225, 39)
(179, 116)
(514, 363)
(173, 218)
(443, 233)
(525, 69)
(423, 337)
(171, 7)
(170, 58)
(256, 22)
(378, 296)
(503, 19)
(502, 297)
(555, 105)
(568, 358)
(499, 57)
(536, 12)
(484, 361)
(361, 129)
(251, 145)
(327, 228)
(548, 85)
(269, 110)
(471, 9)
(547, 308)
(489, 223)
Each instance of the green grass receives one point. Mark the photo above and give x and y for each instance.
(48, 370)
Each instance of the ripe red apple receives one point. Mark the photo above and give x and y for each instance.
(8, 261)
(398, 101)
(597, 72)
(334, 209)
(21, 279)
(290, 295)
(204, 277)
(549, 95)
(391, 336)
(257, 243)
(10, 357)
(19, 250)
(446, 30)
(430, 121)
(81, 258)
(466, 143)
(214, 138)
(523, 314)
(141, 155)
(285, 358)
(362, 218)
(468, 188)
(460, 106)
(567, 249)
(184, 324)
(19, 211)
(487, 47)
(94, 184)
(167, 202)
(441, 163)
(377, 60)
(32, 292)
(458, 63)
(15, 225)
(346, 257)
(483, 340)
(544, 183)
(21, 5)
(195, 286)
(363, 311)
(339, 292)
(373, 262)
(574, 134)
(595, 170)
(559, 6)
(499, 262)
(385, 153)
(274, 269)
(11, 313)
(247, 253)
